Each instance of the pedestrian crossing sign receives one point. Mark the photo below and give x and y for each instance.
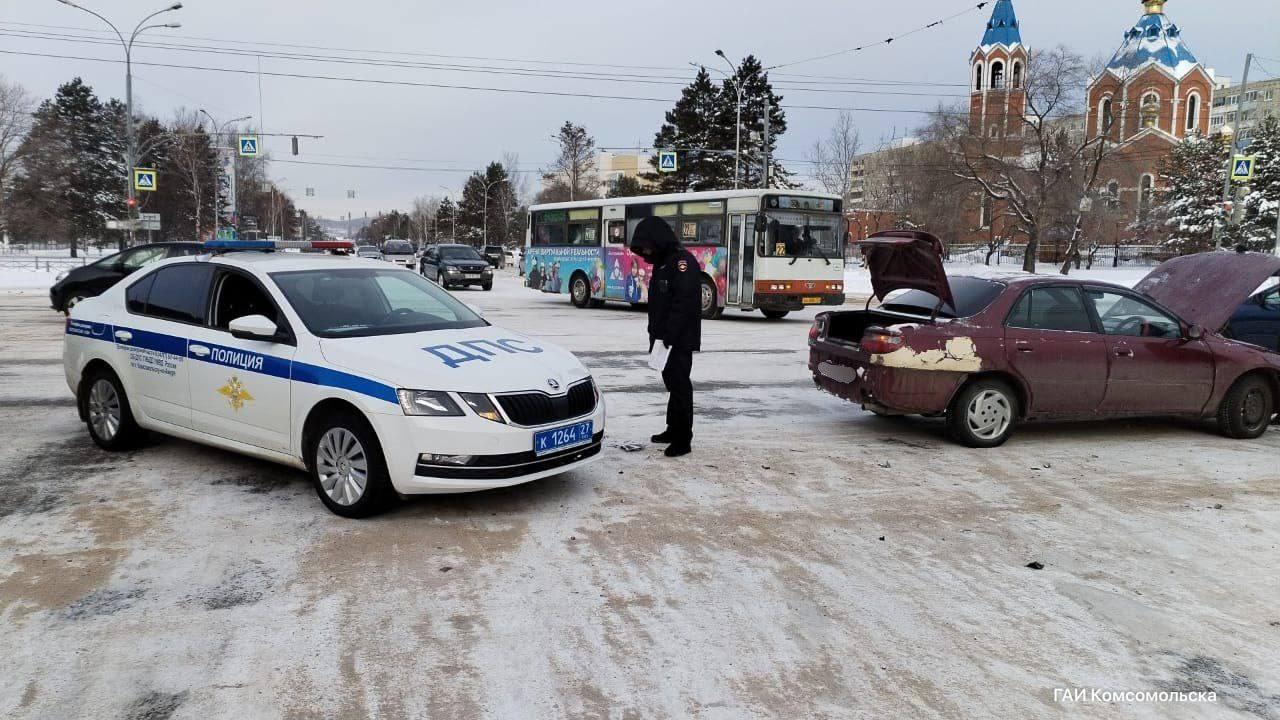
(248, 146)
(144, 179)
(667, 161)
(1242, 168)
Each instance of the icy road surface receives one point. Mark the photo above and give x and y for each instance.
(807, 561)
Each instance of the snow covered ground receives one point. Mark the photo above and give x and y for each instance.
(809, 560)
(17, 279)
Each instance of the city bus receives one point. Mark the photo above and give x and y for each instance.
(768, 250)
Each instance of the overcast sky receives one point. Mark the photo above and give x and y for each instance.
(453, 131)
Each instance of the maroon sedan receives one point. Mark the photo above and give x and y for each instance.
(987, 353)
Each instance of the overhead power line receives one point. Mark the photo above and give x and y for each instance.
(666, 80)
(886, 41)
(449, 86)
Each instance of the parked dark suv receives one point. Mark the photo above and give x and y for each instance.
(95, 278)
(453, 265)
(494, 255)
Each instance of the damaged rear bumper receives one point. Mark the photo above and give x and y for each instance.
(888, 390)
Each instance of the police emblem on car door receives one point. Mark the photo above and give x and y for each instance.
(235, 393)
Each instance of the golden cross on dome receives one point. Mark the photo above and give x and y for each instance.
(1154, 7)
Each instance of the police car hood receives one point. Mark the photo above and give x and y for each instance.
(485, 359)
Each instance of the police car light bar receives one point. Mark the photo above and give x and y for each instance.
(231, 245)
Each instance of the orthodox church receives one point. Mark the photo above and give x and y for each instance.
(1151, 95)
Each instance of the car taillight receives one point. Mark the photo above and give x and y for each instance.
(815, 332)
(880, 341)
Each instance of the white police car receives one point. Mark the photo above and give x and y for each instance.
(368, 376)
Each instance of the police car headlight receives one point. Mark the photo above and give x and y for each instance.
(428, 402)
(481, 405)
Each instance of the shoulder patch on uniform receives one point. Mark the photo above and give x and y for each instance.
(683, 266)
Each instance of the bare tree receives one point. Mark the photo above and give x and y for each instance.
(192, 156)
(1041, 168)
(16, 106)
(574, 171)
(424, 214)
(835, 158)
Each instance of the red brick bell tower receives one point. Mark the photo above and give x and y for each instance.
(997, 78)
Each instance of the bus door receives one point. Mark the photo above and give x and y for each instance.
(733, 293)
(748, 243)
(615, 248)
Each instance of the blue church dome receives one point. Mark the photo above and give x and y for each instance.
(1155, 40)
(1002, 28)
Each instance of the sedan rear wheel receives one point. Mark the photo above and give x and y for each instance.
(983, 414)
(347, 467)
(107, 412)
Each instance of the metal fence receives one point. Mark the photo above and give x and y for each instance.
(1108, 256)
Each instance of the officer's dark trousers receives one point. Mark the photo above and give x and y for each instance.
(680, 405)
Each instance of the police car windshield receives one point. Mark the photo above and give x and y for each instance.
(359, 302)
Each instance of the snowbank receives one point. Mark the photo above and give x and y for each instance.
(15, 279)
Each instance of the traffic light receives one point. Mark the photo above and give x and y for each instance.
(131, 203)
(295, 144)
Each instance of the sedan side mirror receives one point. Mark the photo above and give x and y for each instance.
(1195, 332)
(254, 327)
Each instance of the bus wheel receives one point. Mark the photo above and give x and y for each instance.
(579, 291)
(710, 310)
(775, 314)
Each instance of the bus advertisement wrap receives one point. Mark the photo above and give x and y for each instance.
(614, 273)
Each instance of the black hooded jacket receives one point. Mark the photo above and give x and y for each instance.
(675, 289)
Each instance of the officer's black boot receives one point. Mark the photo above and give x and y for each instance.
(678, 449)
(663, 438)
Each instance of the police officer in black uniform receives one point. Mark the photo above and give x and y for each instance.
(675, 320)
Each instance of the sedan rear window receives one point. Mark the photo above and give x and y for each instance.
(397, 247)
(972, 296)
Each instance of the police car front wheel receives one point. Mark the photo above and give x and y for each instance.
(347, 467)
(107, 412)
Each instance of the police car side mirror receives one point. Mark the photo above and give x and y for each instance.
(253, 327)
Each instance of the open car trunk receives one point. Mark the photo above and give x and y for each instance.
(849, 326)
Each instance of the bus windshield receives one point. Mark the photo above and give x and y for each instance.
(803, 235)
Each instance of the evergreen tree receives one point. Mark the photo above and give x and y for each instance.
(1192, 176)
(1258, 230)
(72, 177)
(448, 219)
(757, 96)
(496, 182)
(627, 186)
(689, 129)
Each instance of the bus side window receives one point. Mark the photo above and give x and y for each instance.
(584, 233)
(617, 232)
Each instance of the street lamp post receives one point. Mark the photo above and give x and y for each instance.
(131, 142)
(453, 237)
(737, 129)
(218, 131)
(487, 187)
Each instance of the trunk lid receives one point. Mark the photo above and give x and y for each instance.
(1207, 288)
(906, 260)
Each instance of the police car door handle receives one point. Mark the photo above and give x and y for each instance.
(198, 350)
(124, 335)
